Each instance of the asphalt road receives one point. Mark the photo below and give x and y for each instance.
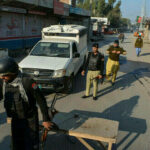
(127, 102)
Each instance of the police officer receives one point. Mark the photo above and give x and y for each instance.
(20, 96)
(121, 37)
(112, 65)
(95, 65)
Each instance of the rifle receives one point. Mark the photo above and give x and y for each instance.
(102, 79)
(52, 112)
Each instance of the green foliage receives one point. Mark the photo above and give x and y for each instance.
(100, 8)
(111, 2)
(125, 22)
(100, 11)
(115, 15)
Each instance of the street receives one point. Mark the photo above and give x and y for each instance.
(127, 102)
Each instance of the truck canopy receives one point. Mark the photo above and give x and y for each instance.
(66, 32)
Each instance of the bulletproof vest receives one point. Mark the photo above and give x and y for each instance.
(93, 62)
(15, 103)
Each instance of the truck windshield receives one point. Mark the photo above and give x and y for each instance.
(50, 49)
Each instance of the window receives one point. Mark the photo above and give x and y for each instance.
(74, 48)
(50, 49)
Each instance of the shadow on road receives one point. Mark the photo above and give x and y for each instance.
(132, 71)
(3, 117)
(121, 112)
(5, 143)
(80, 81)
(145, 54)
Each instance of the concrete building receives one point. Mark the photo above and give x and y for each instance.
(21, 21)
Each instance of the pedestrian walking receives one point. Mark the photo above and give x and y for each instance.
(95, 65)
(112, 65)
(20, 94)
(138, 45)
(121, 37)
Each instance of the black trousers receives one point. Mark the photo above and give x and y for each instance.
(25, 133)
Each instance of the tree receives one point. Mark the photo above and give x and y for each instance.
(100, 8)
(111, 2)
(115, 15)
(125, 22)
(85, 5)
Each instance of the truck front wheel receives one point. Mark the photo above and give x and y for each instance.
(68, 87)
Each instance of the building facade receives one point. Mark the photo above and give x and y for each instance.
(21, 21)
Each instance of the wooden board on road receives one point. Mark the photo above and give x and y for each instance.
(82, 126)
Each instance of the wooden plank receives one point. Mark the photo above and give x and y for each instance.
(101, 144)
(91, 128)
(92, 137)
(85, 144)
(110, 146)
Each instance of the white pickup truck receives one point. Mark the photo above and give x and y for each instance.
(57, 58)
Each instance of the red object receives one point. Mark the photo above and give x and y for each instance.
(58, 7)
(61, 8)
(109, 32)
(140, 19)
(34, 86)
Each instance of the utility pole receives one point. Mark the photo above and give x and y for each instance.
(143, 15)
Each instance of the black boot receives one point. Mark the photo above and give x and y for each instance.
(84, 96)
(94, 98)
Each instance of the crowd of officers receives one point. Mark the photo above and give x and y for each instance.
(95, 65)
(21, 94)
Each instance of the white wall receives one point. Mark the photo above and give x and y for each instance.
(17, 25)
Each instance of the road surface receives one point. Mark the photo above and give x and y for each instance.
(127, 102)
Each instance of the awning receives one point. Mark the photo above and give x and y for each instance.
(79, 11)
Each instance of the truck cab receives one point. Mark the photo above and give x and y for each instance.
(57, 58)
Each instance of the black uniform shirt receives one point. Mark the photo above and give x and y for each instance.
(34, 96)
(95, 62)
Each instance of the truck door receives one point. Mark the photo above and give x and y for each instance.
(76, 58)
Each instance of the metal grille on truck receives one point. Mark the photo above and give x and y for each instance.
(43, 73)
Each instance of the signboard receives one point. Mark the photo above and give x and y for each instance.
(79, 11)
(101, 19)
(12, 9)
(69, 2)
(61, 8)
(65, 1)
(42, 3)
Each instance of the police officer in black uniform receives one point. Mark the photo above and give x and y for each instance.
(95, 65)
(20, 95)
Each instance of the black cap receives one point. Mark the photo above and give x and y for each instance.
(8, 66)
(116, 42)
(95, 45)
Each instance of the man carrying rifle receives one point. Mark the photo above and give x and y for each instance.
(20, 94)
(112, 65)
(95, 65)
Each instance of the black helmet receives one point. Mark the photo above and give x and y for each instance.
(8, 66)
